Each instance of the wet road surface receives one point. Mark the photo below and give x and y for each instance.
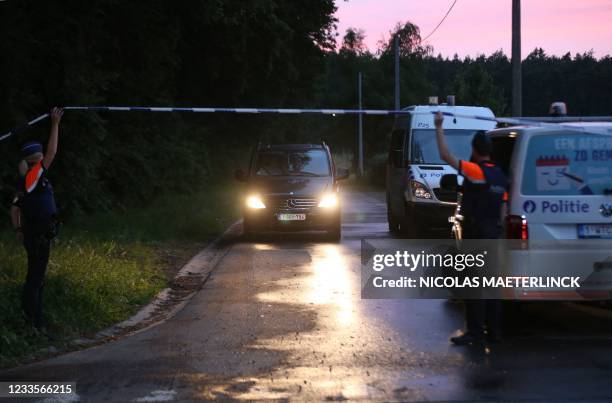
(282, 318)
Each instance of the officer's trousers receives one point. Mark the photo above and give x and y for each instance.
(37, 248)
(481, 314)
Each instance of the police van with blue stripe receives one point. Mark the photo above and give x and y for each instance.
(416, 204)
(560, 203)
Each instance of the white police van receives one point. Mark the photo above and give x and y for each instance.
(416, 205)
(560, 204)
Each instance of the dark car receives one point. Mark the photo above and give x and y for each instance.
(292, 187)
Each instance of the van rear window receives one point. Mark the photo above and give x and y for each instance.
(569, 164)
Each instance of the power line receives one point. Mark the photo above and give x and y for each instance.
(441, 21)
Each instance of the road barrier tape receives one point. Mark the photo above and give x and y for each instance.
(237, 110)
(24, 127)
(333, 112)
(206, 110)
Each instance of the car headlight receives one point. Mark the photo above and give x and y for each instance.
(255, 202)
(419, 190)
(329, 201)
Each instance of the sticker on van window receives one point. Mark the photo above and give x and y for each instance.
(568, 164)
(550, 173)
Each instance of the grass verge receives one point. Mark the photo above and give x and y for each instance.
(103, 268)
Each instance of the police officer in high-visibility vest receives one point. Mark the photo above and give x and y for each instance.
(484, 192)
(34, 216)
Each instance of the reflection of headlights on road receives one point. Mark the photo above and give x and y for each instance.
(419, 190)
(329, 201)
(255, 202)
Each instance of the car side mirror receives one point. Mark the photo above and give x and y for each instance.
(240, 175)
(449, 182)
(342, 174)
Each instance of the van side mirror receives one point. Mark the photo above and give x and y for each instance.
(240, 175)
(342, 174)
(449, 182)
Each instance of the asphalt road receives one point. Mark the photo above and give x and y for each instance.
(283, 319)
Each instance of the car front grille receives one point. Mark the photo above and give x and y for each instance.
(296, 203)
(445, 195)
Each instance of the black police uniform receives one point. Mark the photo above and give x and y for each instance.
(38, 220)
(484, 190)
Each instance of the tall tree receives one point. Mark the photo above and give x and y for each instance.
(354, 42)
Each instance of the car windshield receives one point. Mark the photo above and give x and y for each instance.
(292, 162)
(569, 164)
(425, 148)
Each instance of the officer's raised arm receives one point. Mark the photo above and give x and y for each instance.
(56, 115)
(445, 153)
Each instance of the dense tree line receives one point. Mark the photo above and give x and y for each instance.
(159, 52)
(582, 81)
(266, 53)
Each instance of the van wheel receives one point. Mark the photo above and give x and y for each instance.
(394, 224)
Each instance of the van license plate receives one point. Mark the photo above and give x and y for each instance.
(595, 231)
(291, 217)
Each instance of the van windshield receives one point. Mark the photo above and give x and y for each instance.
(292, 162)
(425, 149)
(569, 164)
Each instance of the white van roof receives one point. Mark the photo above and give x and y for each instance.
(591, 127)
(423, 115)
(458, 109)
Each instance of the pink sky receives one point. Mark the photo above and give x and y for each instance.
(478, 26)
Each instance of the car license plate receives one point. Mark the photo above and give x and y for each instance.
(595, 231)
(291, 217)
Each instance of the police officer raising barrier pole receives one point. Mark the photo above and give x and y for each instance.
(484, 194)
(34, 216)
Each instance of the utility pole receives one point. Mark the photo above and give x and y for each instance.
(397, 73)
(517, 85)
(360, 125)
